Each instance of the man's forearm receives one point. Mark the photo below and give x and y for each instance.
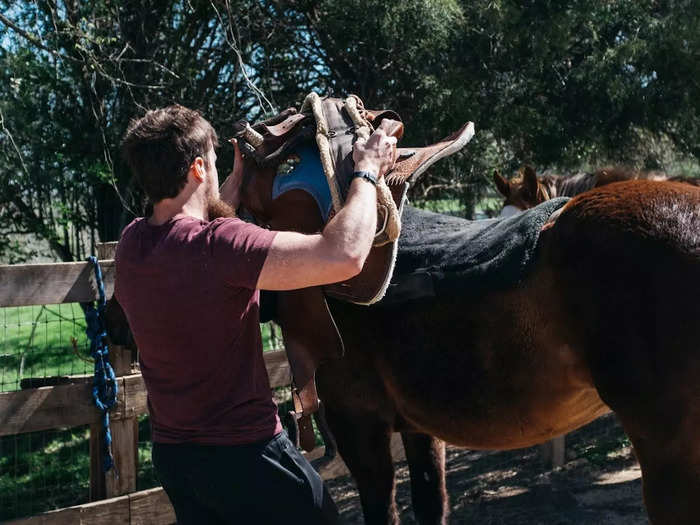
(352, 229)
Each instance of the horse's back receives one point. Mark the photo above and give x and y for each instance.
(634, 220)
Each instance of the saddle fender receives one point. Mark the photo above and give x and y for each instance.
(310, 337)
(308, 328)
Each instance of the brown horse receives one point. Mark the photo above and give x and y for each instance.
(606, 318)
(527, 190)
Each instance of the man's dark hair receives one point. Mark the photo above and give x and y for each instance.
(160, 147)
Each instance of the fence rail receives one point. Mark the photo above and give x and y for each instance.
(145, 507)
(52, 283)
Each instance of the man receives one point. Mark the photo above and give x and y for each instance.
(189, 288)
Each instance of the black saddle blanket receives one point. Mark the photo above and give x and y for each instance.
(450, 255)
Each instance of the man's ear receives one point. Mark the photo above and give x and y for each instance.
(197, 169)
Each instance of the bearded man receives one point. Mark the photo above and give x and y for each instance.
(189, 285)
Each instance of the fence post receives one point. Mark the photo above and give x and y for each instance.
(105, 250)
(554, 451)
(125, 431)
(124, 427)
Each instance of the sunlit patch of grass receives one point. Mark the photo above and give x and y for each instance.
(43, 471)
(448, 206)
(36, 341)
(601, 451)
(271, 337)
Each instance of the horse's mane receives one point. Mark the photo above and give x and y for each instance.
(612, 174)
(575, 184)
(550, 181)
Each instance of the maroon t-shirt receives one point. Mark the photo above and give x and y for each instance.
(188, 290)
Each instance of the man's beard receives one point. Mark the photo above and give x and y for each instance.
(217, 208)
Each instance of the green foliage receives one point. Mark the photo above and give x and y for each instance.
(557, 84)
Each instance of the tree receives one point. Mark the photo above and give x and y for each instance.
(552, 83)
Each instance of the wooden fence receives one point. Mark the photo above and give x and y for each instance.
(113, 500)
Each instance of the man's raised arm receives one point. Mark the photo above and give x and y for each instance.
(296, 260)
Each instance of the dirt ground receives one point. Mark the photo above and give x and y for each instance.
(600, 483)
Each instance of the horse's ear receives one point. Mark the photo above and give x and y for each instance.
(530, 181)
(501, 183)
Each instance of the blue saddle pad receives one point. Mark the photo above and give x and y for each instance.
(307, 175)
(459, 254)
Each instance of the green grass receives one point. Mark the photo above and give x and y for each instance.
(35, 341)
(271, 336)
(41, 471)
(449, 206)
(600, 451)
(489, 206)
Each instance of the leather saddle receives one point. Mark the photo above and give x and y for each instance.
(272, 150)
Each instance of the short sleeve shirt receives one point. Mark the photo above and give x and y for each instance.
(187, 288)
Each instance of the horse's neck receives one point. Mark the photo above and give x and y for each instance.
(575, 184)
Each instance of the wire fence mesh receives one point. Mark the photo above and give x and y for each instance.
(41, 471)
(37, 342)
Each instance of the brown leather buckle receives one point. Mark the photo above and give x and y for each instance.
(303, 426)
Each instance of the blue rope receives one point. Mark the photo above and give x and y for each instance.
(104, 385)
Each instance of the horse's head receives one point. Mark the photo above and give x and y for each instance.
(522, 192)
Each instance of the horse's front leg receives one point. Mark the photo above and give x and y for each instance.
(364, 445)
(426, 462)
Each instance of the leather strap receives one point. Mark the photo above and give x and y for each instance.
(307, 438)
(366, 175)
(306, 402)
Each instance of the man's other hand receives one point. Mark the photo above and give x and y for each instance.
(230, 190)
(377, 154)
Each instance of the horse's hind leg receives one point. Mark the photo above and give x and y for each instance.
(671, 476)
(364, 445)
(426, 463)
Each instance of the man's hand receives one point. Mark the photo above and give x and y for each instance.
(230, 190)
(378, 153)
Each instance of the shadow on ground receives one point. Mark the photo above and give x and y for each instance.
(600, 483)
